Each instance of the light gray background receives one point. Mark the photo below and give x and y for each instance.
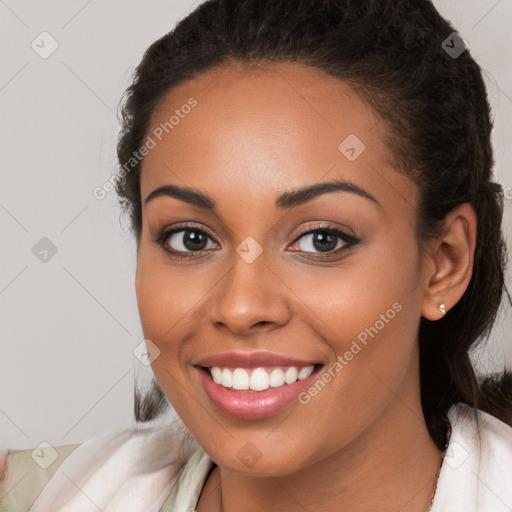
(69, 325)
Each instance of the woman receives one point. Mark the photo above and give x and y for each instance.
(318, 247)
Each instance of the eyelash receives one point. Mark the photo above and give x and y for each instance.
(350, 241)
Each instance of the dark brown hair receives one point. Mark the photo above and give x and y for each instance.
(435, 104)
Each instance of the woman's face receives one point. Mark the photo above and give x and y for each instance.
(245, 281)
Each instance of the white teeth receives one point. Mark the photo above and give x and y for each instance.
(305, 372)
(259, 379)
(276, 377)
(291, 375)
(227, 378)
(216, 374)
(240, 379)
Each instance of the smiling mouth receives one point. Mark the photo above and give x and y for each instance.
(258, 379)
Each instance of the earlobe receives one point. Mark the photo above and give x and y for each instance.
(452, 258)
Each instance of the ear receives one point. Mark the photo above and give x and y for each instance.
(449, 263)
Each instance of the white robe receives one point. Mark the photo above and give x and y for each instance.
(139, 469)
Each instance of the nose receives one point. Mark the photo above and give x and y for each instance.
(250, 296)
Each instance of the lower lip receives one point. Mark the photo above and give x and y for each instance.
(255, 404)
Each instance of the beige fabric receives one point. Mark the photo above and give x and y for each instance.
(25, 479)
(132, 469)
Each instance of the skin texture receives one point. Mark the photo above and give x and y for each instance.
(253, 135)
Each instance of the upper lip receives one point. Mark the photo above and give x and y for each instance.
(251, 360)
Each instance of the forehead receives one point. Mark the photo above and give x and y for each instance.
(262, 131)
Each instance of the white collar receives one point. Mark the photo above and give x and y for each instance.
(121, 471)
(476, 475)
(135, 469)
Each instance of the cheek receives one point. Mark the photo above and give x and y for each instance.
(355, 296)
(171, 303)
(368, 313)
(164, 305)
(166, 298)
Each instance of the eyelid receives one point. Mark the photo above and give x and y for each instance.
(307, 230)
(337, 231)
(165, 233)
(349, 242)
(327, 227)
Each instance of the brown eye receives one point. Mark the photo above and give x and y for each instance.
(319, 241)
(323, 240)
(187, 240)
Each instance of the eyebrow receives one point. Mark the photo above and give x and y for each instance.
(286, 200)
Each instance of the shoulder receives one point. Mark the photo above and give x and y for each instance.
(26, 474)
(477, 465)
(493, 436)
(134, 467)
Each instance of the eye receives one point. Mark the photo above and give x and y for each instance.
(183, 241)
(188, 240)
(324, 239)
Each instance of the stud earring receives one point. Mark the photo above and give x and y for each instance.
(442, 308)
